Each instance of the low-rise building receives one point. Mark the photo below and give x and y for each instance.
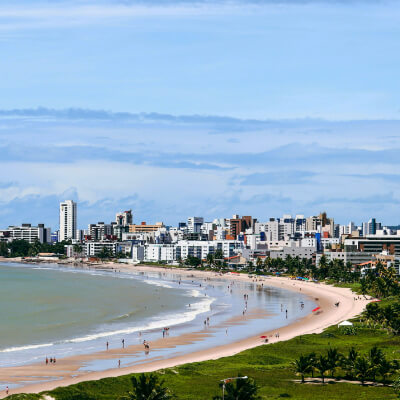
(27, 232)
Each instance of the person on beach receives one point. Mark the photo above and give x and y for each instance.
(123, 343)
(47, 360)
(54, 360)
(119, 363)
(51, 360)
(7, 390)
(107, 345)
(286, 314)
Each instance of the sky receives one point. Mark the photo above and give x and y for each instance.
(180, 108)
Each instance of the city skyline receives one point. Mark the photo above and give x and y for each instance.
(181, 107)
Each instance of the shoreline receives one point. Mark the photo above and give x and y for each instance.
(324, 295)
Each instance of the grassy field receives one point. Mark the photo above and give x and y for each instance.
(269, 365)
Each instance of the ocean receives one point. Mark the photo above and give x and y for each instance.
(52, 311)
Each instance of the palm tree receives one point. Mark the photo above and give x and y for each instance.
(302, 366)
(78, 248)
(210, 259)
(348, 362)
(376, 358)
(313, 359)
(333, 360)
(259, 264)
(240, 389)
(322, 365)
(267, 263)
(396, 386)
(148, 387)
(362, 369)
(372, 311)
(385, 369)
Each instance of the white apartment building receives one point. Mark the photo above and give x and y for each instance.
(201, 249)
(194, 224)
(301, 252)
(160, 252)
(93, 249)
(99, 231)
(27, 232)
(68, 216)
(329, 242)
(184, 248)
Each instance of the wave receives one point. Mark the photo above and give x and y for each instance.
(157, 283)
(201, 305)
(28, 347)
(156, 322)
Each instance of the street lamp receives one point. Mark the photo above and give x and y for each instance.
(228, 380)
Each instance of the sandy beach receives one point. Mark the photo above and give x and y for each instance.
(67, 370)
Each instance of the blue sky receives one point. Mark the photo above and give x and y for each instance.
(205, 108)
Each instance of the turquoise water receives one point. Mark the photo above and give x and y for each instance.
(43, 306)
(54, 311)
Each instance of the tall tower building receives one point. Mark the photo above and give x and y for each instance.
(124, 218)
(67, 220)
(194, 224)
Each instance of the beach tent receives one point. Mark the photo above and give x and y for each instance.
(345, 323)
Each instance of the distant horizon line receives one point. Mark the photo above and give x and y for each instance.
(76, 113)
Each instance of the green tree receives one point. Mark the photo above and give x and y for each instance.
(105, 253)
(376, 358)
(219, 254)
(333, 357)
(19, 248)
(259, 264)
(148, 387)
(396, 386)
(322, 365)
(385, 369)
(313, 359)
(78, 249)
(192, 261)
(362, 369)
(3, 249)
(240, 389)
(348, 363)
(302, 366)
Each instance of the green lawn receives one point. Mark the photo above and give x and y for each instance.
(269, 365)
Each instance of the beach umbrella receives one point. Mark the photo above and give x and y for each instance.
(263, 337)
(316, 309)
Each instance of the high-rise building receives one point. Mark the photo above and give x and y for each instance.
(239, 225)
(194, 224)
(67, 220)
(124, 218)
(370, 227)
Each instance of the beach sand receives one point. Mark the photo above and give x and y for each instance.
(66, 371)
